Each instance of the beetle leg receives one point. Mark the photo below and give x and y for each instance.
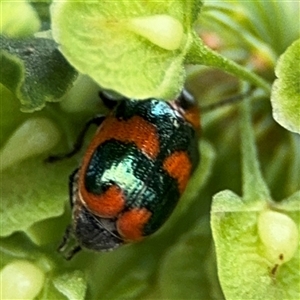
(110, 100)
(64, 244)
(65, 239)
(72, 252)
(73, 187)
(79, 142)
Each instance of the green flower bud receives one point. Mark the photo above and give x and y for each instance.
(279, 235)
(21, 279)
(162, 30)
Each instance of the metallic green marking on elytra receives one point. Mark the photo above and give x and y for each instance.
(122, 175)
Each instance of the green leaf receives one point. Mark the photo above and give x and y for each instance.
(50, 292)
(286, 89)
(47, 231)
(10, 106)
(39, 192)
(43, 11)
(241, 255)
(72, 284)
(183, 271)
(18, 246)
(131, 286)
(18, 19)
(254, 236)
(136, 48)
(132, 267)
(35, 71)
(31, 190)
(26, 196)
(36, 135)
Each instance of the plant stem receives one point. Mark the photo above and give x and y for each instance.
(254, 187)
(201, 54)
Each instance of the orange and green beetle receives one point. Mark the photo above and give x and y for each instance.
(133, 172)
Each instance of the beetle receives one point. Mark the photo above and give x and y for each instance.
(133, 172)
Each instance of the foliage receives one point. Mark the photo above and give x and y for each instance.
(220, 241)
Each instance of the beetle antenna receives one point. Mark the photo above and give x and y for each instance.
(227, 101)
(103, 226)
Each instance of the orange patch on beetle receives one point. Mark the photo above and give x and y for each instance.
(192, 115)
(179, 167)
(135, 130)
(108, 204)
(131, 223)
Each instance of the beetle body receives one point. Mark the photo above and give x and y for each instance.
(134, 171)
